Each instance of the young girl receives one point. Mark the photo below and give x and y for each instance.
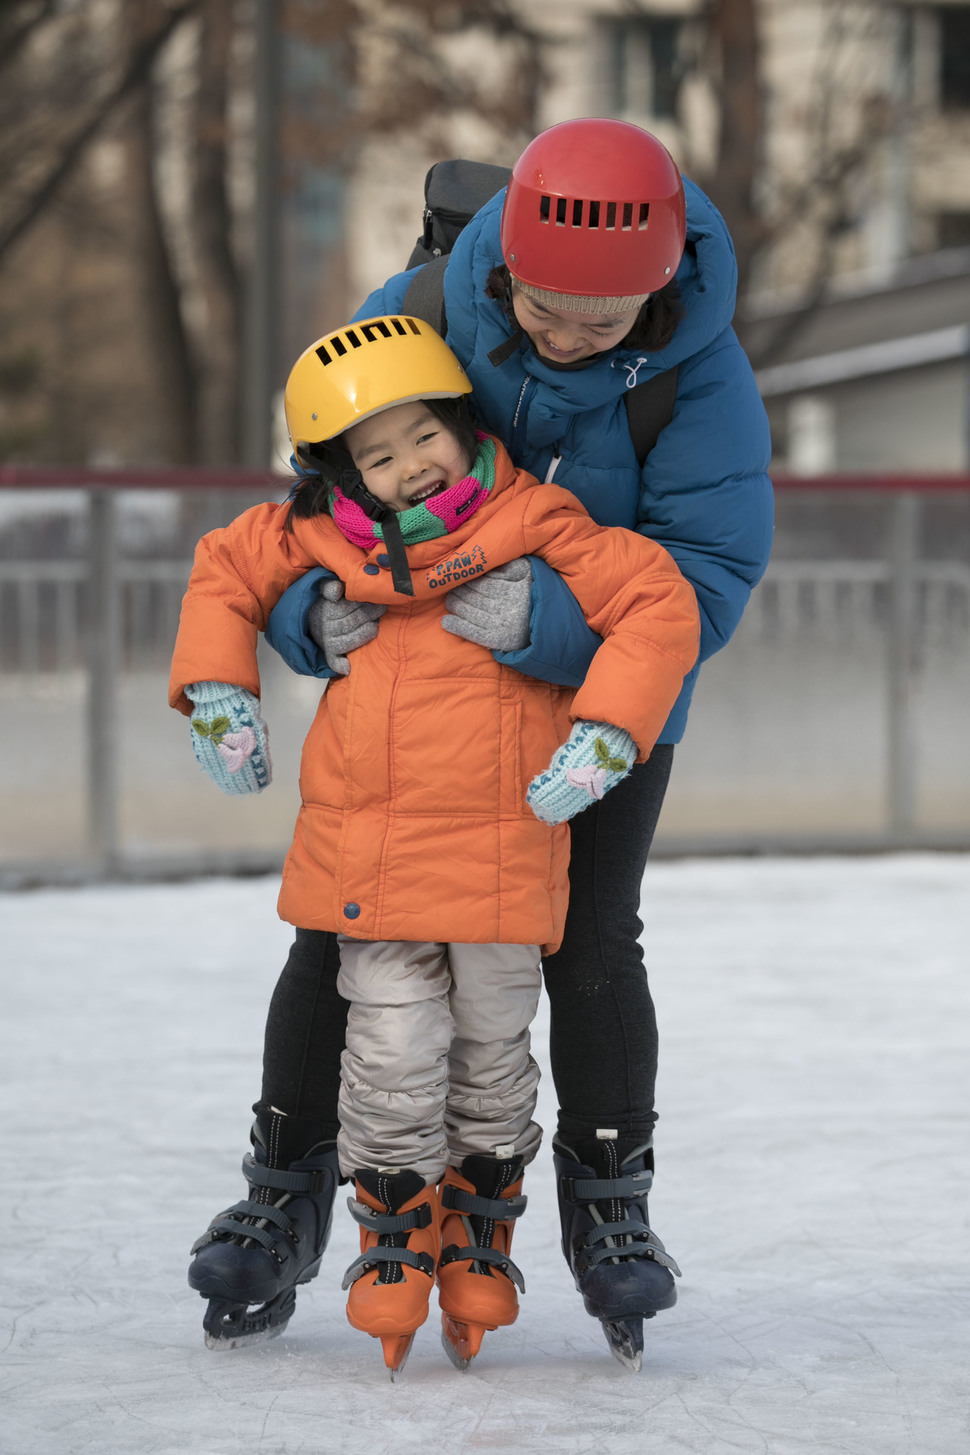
(435, 785)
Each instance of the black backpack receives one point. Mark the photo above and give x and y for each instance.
(453, 192)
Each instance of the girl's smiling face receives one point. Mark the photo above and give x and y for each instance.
(406, 455)
(565, 336)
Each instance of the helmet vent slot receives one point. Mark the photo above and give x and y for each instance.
(336, 346)
(578, 212)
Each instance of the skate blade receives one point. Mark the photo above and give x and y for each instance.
(229, 1325)
(242, 1341)
(625, 1338)
(396, 1348)
(461, 1342)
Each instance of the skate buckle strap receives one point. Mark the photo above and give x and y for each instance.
(280, 1179)
(233, 1224)
(380, 1222)
(376, 1256)
(615, 1230)
(497, 1208)
(639, 1242)
(598, 1189)
(500, 1260)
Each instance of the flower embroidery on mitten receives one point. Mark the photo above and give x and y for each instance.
(593, 777)
(233, 747)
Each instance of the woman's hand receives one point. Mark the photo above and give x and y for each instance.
(493, 610)
(339, 626)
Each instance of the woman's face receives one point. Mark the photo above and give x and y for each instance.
(406, 455)
(565, 336)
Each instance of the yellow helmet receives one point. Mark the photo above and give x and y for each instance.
(357, 371)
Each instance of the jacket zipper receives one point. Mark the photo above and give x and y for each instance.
(520, 418)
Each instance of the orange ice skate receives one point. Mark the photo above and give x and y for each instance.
(390, 1283)
(476, 1277)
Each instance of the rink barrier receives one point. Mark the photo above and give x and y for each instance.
(114, 588)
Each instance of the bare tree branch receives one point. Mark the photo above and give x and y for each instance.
(13, 42)
(138, 68)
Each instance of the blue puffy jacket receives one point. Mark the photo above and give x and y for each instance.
(703, 492)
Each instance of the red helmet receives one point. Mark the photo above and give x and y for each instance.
(594, 212)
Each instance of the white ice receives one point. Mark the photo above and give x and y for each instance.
(812, 1181)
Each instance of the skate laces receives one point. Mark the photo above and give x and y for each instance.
(272, 1186)
(616, 1235)
(248, 1221)
(390, 1253)
(481, 1212)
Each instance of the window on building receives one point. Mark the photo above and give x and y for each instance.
(644, 69)
(954, 56)
(953, 229)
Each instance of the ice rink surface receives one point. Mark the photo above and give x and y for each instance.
(813, 1156)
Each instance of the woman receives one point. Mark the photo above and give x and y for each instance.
(597, 269)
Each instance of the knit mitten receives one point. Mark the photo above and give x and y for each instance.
(230, 739)
(592, 761)
(339, 626)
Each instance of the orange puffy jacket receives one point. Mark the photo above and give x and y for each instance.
(414, 823)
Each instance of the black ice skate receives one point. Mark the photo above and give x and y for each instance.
(251, 1258)
(620, 1266)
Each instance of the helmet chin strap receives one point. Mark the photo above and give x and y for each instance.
(354, 488)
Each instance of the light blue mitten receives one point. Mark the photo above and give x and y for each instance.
(591, 762)
(230, 739)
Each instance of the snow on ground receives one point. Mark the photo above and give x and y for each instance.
(812, 1182)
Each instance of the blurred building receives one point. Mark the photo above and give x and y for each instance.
(877, 376)
(833, 134)
(856, 273)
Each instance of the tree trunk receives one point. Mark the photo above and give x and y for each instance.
(734, 31)
(221, 347)
(175, 393)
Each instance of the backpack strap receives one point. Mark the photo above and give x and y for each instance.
(649, 409)
(425, 296)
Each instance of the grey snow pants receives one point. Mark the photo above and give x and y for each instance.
(436, 1064)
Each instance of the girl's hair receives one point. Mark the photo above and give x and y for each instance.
(333, 461)
(653, 328)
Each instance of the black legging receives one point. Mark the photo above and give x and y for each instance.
(603, 1039)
